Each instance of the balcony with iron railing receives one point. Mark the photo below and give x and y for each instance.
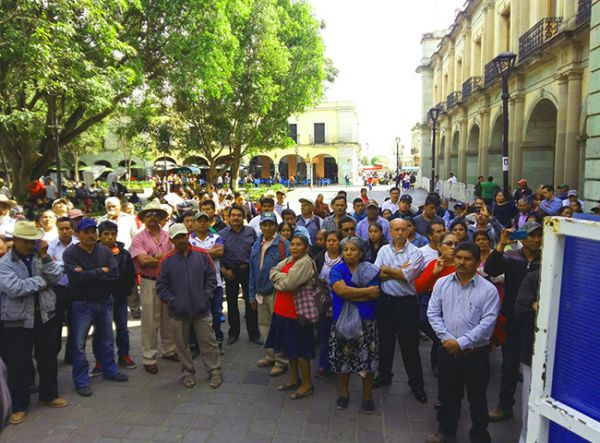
(471, 85)
(532, 42)
(584, 12)
(441, 106)
(453, 99)
(490, 74)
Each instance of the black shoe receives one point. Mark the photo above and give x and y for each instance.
(257, 341)
(85, 391)
(420, 395)
(231, 340)
(118, 377)
(368, 406)
(342, 403)
(379, 382)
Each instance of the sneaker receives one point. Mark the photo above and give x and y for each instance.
(500, 414)
(125, 361)
(16, 418)
(118, 377)
(85, 391)
(56, 403)
(97, 371)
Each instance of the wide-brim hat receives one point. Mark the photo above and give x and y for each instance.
(152, 206)
(27, 230)
(4, 199)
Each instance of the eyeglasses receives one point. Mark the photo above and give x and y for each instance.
(450, 243)
(154, 214)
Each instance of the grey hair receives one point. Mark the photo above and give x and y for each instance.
(355, 241)
(113, 200)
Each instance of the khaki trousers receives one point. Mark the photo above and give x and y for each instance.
(155, 316)
(207, 342)
(265, 315)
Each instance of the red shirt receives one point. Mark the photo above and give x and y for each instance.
(425, 282)
(284, 301)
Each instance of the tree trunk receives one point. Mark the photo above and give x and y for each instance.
(235, 169)
(76, 158)
(211, 176)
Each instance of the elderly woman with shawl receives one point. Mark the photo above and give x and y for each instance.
(354, 281)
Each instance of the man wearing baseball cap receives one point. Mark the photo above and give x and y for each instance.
(93, 271)
(267, 251)
(523, 191)
(308, 219)
(28, 302)
(186, 283)
(515, 265)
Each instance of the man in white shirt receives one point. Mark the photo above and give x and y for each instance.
(392, 203)
(125, 222)
(7, 223)
(51, 190)
(430, 251)
(267, 204)
(452, 178)
(56, 248)
(213, 244)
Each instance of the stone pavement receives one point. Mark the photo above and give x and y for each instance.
(246, 408)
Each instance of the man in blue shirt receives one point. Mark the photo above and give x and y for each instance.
(462, 311)
(551, 204)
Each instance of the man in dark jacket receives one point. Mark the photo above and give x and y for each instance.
(92, 271)
(123, 286)
(515, 265)
(186, 283)
(525, 315)
(268, 250)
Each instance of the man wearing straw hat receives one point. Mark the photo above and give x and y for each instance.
(148, 247)
(28, 305)
(7, 223)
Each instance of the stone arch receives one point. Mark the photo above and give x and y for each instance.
(103, 163)
(495, 151)
(195, 160)
(292, 164)
(262, 167)
(472, 152)
(454, 147)
(123, 163)
(544, 95)
(163, 158)
(324, 166)
(539, 144)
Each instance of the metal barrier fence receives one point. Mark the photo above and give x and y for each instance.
(451, 191)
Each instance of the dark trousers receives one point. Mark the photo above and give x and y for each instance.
(398, 319)
(324, 333)
(64, 316)
(426, 328)
(511, 351)
(472, 372)
(19, 344)
(232, 289)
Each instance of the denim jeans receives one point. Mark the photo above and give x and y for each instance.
(100, 315)
(122, 335)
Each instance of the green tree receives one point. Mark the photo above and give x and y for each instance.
(273, 66)
(75, 61)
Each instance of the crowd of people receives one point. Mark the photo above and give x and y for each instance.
(348, 283)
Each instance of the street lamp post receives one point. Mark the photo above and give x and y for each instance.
(505, 63)
(397, 156)
(433, 114)
(54, 119)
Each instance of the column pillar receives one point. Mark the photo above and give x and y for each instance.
(561, 129)
(447, 150)
(462, 149)
(515, 25)
(571, 157)
(451, 72)
(484, 144)
(516, 166)
(467, 58)
(490, 31)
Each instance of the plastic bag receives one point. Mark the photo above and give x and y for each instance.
(349, 325)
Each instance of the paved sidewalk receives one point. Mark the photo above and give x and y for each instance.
(247, 408)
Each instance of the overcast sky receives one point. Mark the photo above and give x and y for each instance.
(375, 45)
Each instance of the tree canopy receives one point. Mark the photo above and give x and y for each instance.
(233, 69)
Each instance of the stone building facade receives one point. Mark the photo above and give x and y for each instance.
(548, 89)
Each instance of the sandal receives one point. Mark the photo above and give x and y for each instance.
(342, 403)
(298, 395)
(288, 386)
(188, 381)
(215, 381)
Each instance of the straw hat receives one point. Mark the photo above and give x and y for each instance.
(27, 230)
(4, 199)
(152, 206)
